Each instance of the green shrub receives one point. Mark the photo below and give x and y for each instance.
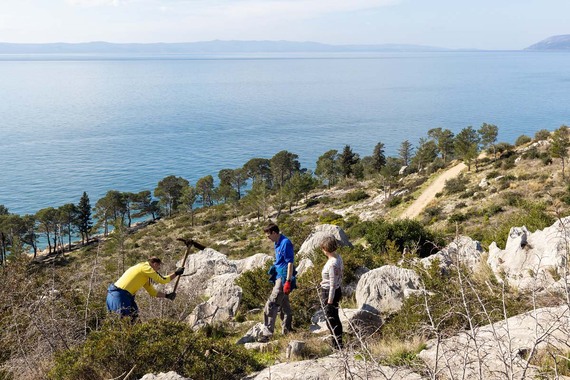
(255, 287)
(326, 200)
(305, 299)
(508, 163)
(466, 194)
(456, 185)
(503, 147)
(433, 212)
(512, 198)
(403, 233)
(457, 218)
(460, 205)
(154, 346)
(329, 217)
(493, 210)
(531, 154)
(522, 139)
(312, 202)
(356, 196)
(542, 134)
(546, 160)
(394, 201)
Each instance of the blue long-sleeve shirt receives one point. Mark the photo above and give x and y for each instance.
(283, 253)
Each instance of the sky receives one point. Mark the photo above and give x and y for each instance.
(455, 24)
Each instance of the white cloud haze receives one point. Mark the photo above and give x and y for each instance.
(485, 24)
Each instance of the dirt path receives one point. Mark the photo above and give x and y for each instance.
(429, 194)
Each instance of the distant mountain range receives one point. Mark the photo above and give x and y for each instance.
(203, 47)
(561, 42)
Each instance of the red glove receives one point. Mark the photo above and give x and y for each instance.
(287, 287)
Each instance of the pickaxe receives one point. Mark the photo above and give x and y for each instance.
(189, 243)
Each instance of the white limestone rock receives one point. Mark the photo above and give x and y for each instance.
(259, 260)
(353, 320)
(202, 266)
(332, 367)
(210, 274)
(462, 251)
(382, 290)
(500, 350)
(164, 376)
(313, 241)
(532, 260)
(304, 264)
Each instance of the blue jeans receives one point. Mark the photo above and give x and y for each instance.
(122, 302)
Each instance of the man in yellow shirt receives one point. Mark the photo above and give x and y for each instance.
(121, 294)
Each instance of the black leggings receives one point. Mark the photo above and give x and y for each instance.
(331, 313)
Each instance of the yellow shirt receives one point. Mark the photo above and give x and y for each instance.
(139, 276)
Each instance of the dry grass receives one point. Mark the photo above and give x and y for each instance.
(397, 353)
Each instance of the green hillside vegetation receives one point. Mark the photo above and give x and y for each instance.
(53, 319)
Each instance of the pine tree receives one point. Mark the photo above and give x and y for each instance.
(378, 157)
(347, 160)
(84, 222)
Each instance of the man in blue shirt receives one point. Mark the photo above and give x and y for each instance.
(282, 273)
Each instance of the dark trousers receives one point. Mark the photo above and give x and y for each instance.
(331, 313)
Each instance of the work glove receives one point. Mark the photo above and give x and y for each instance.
(179, 271)
(287, 287)
(170, 296)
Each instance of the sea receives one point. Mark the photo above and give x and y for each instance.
(94, 123)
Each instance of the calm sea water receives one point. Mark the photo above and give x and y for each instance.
(74, 124)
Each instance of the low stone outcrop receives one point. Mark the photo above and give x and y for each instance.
(304, 264)
(259, 260)
(353, 320)
(222, 305)
(258, 333)
(313, 241)
(533, 260)
(209, 273)
(500, 350)
(262, 347)
(164, 376)
(201, 267)
(383, 290)
(333, 367)
(462, 251)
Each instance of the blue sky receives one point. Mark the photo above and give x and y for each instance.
(478, 24)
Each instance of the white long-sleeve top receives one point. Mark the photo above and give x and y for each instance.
(332, 275)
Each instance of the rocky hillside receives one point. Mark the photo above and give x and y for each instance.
(561, 42)
(475, 286)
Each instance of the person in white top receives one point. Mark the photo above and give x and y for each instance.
(331, 293)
